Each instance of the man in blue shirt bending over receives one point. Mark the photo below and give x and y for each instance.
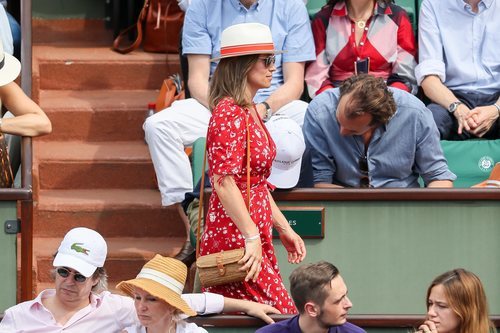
(366, 134)
(320, 294)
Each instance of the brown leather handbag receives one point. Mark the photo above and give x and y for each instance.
(158, 28)
(171, 90)
(6, 176)
(221, 267)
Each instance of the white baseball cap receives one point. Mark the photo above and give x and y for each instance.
(10, 67)
(83, 250)
(290, 146)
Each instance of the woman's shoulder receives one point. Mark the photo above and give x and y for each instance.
(227, 108)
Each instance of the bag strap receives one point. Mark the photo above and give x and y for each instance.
(6, 169)
(202, 188)
(138, 26)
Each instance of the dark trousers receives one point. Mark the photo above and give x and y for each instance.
(447, 124)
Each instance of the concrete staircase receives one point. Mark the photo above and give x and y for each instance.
(94, 170)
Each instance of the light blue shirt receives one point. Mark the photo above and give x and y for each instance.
(406, 147)
(460, 46)
(287, 19)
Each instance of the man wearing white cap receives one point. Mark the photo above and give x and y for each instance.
(78, 304)
(167, 133)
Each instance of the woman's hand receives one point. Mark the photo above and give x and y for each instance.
(294, 245)
(252, 258)
(427, 327)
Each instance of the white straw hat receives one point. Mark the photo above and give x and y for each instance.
(10, 67)
(244, 39)
(290, 146)
(83, 250)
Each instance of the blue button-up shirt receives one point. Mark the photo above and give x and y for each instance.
(406, 147)
(287, 19)
(292, 326)
(460, 46)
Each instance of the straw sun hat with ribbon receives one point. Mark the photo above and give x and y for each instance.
(163, 278)
(9, 67)
(245, 39)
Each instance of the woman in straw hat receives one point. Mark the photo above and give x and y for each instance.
(29, 119)
(456, 303)
(246, 65)
(161, 307)
(157, 291)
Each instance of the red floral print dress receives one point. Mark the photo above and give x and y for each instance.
(226, 144)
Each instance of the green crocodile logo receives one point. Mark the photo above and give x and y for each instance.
(79, 249)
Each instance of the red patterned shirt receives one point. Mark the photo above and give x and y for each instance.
(388, 41)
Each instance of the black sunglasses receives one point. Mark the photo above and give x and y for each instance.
(269, 61)
(364, 182)
(64, 273)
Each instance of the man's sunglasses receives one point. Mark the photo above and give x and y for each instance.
(363, 167)
(64, 273)
(269, 61)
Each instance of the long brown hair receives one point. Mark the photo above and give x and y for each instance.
(230, 80)
(311, 283)
(465, 295)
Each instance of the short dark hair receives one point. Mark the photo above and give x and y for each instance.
(310, 282)
(368, 95)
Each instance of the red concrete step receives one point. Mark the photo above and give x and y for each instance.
(125, 257)
(97, 68)
(96, 115)
(71, 31)
(112, 212)
(94, 165)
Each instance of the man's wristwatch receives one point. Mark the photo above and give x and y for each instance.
(453, 106)
(269, 112)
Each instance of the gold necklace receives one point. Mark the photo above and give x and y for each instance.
(361, 22)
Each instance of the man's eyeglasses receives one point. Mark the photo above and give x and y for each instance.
(269, 61)
(64, 273)
(364, 182)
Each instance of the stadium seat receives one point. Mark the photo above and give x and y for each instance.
(313, 6)
(471, 160)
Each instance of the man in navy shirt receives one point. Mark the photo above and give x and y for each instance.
(320, 294)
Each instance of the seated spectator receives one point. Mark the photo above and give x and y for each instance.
(368, 135)
(456, 303)
(459, 67)
(320, 294)
(10, 32)
(362, 36)
(29, 119)
(160, 307)
(167, 133)
(80, 302)
(25, 117)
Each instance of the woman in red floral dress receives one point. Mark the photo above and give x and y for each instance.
(246, 65)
